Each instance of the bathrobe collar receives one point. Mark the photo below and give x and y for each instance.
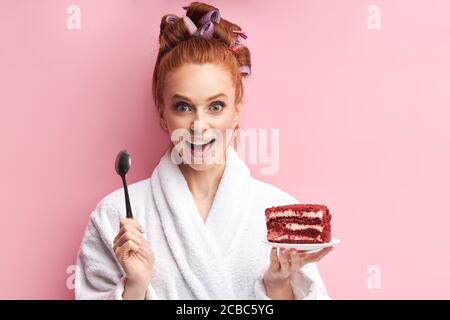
(196, 245)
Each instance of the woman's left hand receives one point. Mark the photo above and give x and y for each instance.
(289, 261)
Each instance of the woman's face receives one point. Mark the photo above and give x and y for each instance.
(200, 113)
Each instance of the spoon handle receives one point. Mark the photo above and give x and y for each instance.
(127, 198)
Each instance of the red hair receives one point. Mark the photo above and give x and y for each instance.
(178, 47)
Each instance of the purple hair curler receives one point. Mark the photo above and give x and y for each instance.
(244, 69)
(207, 31)
(213, 16)
(171, 18)
(190, 25)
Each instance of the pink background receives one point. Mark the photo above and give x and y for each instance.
(363, 118)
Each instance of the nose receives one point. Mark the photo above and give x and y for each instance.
(199, 124)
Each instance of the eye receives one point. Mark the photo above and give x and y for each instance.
(217, 107)
(182, 107)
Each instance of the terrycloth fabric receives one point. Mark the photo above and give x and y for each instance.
(222, 258)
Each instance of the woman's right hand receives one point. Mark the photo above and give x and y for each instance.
(135, 257)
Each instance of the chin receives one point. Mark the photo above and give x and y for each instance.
(201, 167)
(204, 161)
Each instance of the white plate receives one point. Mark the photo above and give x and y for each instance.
(304, 246)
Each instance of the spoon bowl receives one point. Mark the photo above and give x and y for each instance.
(122, 165)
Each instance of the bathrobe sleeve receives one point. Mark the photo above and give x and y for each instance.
(306, 284)
(99, 275)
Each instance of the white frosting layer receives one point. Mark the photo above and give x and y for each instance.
(296, 226)
(314, 214)
(291, 213)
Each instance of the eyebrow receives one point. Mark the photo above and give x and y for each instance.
(179, 96)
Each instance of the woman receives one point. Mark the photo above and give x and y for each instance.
(199, 219)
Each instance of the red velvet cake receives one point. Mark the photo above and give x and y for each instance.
(298, 223)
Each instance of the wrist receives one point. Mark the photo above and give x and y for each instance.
(277, 284)
(270, 280)
(134, 291)
(279, 289)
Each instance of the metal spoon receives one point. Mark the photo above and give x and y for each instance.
(123, 164)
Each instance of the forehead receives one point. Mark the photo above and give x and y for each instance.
(198, 82)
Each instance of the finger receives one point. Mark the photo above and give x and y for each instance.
(126, 228)
(129, 235)
(126, 248)
(302, 254)
(322, 252)
(129, 227)
(283, 258)
(289, 255)
(296, 262)
(317, 256)
(274, 263)
(146, 250)
(143, 248)
(133, 222)
(292, 250)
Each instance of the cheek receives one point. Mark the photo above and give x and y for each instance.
(223, 122)
(177, 122)
(224, 128)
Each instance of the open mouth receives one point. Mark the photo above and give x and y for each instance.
(199, 148)
(195, 145)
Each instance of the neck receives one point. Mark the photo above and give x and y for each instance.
(203, 184)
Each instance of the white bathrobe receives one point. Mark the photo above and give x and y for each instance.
(222, 258)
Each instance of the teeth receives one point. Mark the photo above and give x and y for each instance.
(200, 143)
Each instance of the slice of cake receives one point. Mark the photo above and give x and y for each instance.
(298, 223)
